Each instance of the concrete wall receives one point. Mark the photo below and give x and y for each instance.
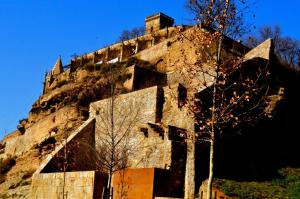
(77, 185)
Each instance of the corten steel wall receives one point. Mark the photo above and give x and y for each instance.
(134, 184)
(77, 185)
(143, 184)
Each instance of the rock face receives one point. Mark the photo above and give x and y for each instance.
(73, 115)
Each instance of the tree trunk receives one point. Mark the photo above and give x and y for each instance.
(65, 168)
(112, 123)
(109, 194)
(213, 120)
(211, 169)
(189, 182)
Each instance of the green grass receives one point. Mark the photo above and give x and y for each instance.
(288, 186)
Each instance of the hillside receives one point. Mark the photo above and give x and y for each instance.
(147, 70)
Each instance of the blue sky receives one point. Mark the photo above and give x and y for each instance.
(33, 33)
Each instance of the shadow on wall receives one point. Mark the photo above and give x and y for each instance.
(259, 152)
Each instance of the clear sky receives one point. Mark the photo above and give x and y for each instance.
(33, 33)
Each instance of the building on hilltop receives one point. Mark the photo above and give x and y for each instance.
(157, 22)
(56, 71)
(153, 93)
(58, 67)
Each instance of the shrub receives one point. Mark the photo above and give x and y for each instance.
(89, 67)
(27, 174)
(23, 121)
(288, 186)
(49, 140)
(21, 128)
(7, 164)
(2, 145)
(61, 83)
(2, 178)
(54, 129)
(2, 148)
(98, 67)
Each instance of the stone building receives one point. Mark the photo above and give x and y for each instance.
(152, 109)
(157, 22)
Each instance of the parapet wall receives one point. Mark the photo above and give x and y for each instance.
(115, 53)
(71, 185)
(80, 142)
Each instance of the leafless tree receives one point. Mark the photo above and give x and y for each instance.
(114, 129)
(228, 90)
(287, 49)
(130, 34)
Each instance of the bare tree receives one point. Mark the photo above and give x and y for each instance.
(227, 88)
(114, 128)
(130, 34)
(287, 49)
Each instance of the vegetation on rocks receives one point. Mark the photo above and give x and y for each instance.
(286, 185)
(61, 83)
(2, 148)
(5, 165)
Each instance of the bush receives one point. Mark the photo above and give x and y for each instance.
(2, 178)
(27, 174)
(89, 66)
(23, 121)
(2, 146)
(98, 67)
(288, 186)
(7, 164)
(61, 83)
(46, 144)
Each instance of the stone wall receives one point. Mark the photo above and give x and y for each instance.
(145, 78)
(143, 101)
(141, 78)
(175, 114)
(154, 53)
(131, 112)
(80, 142)
(152, 148)
(73, 185)
(152, 140)
(38, 131)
